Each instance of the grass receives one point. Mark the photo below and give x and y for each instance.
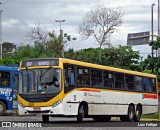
(151, 116)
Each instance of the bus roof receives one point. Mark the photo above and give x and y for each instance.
(81, 63)
(106, 67)
(6, 68)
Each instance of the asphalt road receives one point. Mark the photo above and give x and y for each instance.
(71, 122)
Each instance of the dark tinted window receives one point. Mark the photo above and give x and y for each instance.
(129, 82)
(83, 76)
(96, 78)
(108, 78)
(119, 81)
(4, 78)
(138, 83)
(153, 85)
(147, 84)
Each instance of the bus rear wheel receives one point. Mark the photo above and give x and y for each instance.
(80, 115)
(138, 114)
(45, 118)
(2, 108)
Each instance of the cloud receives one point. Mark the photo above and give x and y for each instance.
(19, 16)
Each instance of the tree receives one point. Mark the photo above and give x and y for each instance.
(152, 64)
(100, 22)
(57, 45)
(38, 33)
(121, 57)
(8, 47)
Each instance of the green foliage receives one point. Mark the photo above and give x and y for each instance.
(152, 62)
(8, 47)
(122, 57)
(56, 44)
(9, 61)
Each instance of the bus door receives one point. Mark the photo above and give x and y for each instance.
(15, 80)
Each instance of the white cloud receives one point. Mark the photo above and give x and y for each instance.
(19, 15)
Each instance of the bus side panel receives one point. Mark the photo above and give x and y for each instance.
(113, 103)
(132, 98)
(6, 95)
(70, 106)
(93, 98)
(150, 103)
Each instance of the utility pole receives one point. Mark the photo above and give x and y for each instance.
(61, 33)
(1, 34)
(158, 26)
(152, 30)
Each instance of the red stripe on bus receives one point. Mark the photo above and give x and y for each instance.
(150, 96)
(89, 90)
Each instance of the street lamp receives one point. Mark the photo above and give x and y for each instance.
(60, 21)
(152, 30)
(61, 33)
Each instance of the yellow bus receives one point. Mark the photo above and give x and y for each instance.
(61, 87)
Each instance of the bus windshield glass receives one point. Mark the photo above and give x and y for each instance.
(40, 81)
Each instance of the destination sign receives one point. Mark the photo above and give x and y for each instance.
(40, 62)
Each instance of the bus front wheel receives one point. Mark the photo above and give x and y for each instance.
(2, 108)
(45, 118)
(80, 115)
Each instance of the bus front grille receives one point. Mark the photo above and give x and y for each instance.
(38, 97)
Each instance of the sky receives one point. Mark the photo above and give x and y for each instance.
(19, 16)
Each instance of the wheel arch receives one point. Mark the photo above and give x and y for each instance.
(5, 102)
(85, 105)
(132, 104)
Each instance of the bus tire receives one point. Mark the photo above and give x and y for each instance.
(45, 118)
(131, 113)
(80, 115)
(138, 113)
(2, 108)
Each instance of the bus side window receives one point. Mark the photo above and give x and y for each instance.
(69, 77)
(96, 78)
(147, 84)
(153, 85)
(119, 81)
(108, 79)
(4, 78)
(138, 83)
(129, 82)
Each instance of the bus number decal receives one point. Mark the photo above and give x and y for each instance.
(43, 63)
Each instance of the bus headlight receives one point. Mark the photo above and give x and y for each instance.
(21, 105)
(57, 103)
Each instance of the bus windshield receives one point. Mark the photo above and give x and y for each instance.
(40, 81)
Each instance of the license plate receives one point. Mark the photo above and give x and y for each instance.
(36, 109)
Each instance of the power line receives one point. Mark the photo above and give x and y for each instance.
(22, 38)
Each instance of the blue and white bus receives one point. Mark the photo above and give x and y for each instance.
(8, 83)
